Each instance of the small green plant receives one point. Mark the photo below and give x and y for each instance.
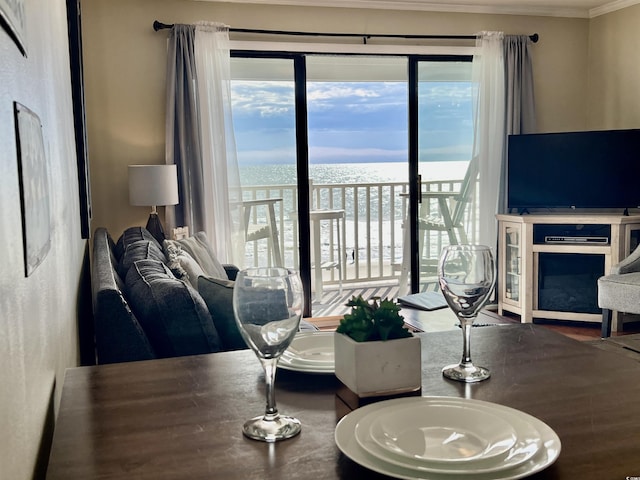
(371, 321)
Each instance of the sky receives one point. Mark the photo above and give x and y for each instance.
(351, 121)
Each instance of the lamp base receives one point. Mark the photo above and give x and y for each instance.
(155, 228)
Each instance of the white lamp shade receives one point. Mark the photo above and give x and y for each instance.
(152, 185)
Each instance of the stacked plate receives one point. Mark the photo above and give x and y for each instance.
(446, 438)
(310, 352)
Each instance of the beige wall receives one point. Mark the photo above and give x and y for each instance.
(38, 314)
(124, 61)
(125, 73)
(614, 70)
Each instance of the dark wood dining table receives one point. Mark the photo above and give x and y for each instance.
(181, 418)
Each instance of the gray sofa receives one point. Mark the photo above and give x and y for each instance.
(149, 304)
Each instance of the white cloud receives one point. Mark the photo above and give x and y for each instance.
(267, 98)
(447, 91)
(327, 91)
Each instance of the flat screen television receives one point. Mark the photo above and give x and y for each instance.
(594, 169)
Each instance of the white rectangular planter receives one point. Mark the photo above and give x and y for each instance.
(378, 368)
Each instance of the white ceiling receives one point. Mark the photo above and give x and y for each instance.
(555, 8)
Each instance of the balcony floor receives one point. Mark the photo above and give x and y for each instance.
(327, 316)
(334, 303)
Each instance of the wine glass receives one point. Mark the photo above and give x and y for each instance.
(267, 305)
(466, 277)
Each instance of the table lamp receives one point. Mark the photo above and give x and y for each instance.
(151, 186)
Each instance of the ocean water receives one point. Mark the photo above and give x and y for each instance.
(350, 173)
(366, 235)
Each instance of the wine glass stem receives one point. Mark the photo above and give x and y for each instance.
(466, 349)
(269, 365)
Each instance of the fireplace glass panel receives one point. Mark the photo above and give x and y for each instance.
(567, 282)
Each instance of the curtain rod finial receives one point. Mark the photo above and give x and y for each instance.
(534, 38)
(160, 26)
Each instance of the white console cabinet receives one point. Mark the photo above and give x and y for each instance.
(548, 265)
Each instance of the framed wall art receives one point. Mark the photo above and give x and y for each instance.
(13, 20)
(33, 173)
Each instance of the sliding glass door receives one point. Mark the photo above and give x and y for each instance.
(330, 149)
(263, 99)
(358, 144)
(448, 177)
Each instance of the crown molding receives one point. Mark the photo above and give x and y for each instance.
(417, 5)
(612, 7)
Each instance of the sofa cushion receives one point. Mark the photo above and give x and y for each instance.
(198, 247)
(172, 314)
(218, 295)
(182, 264)
(118, 334)
(140, 250)
(130, 235)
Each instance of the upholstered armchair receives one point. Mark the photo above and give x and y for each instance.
(620, 290)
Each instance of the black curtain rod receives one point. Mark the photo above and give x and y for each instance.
(161, 26)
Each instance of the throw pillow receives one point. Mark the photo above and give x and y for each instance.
(140, 250)
(133, 234)
(173, 263)
(198, 247)
(173, 315)
(218, 295)
(182, 263)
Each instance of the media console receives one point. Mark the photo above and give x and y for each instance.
(548, 265)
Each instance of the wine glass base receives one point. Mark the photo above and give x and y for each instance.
(467, 374)
(280, 427)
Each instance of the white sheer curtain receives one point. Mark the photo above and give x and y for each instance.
(489, 127)
(222, 193)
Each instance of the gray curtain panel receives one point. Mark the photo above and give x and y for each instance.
(520, 111)
(520, 114)
(183, 145)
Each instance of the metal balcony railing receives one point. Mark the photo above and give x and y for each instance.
(375, 215)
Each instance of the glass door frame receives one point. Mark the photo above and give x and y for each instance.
(302, 160)
(415, 184)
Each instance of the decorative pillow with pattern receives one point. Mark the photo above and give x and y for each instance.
(198, 247)
(182, 263)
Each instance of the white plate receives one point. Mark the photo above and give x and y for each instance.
(527, 445)
(285, 364)
(442, 432)
(346, 441)
(311, 348)
(310, 352)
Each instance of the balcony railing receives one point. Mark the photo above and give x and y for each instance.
(375, 215)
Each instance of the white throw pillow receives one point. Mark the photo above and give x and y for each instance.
(182, 264)
(201, 252)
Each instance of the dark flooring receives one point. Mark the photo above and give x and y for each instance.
(583, 330)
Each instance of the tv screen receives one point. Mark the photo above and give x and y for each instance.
(596, 169)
